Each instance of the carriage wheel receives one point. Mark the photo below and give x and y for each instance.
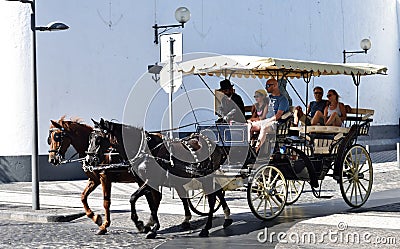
(295, 188)
(356, 176)
(198, 202)
(267, 192)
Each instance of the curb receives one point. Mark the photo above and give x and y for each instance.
(35, 216)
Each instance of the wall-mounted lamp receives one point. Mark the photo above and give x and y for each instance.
(182, 15)
(365, 45)
(54, 26)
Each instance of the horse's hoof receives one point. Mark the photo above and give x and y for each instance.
(185, 225)
(99, 220)
(101, 232)
(140, 226)
(151, 235)
(146, 229)
(204, 233)
(227, 223)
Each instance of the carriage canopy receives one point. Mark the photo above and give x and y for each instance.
(267, 67)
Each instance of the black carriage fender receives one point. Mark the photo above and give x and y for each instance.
(308, 164)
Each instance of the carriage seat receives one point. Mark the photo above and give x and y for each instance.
(355, 115)
(322, 137)
(282, 128)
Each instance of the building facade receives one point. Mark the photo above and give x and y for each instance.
(89, 70)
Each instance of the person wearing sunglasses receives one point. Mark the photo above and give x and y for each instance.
(280, 105)
(335, 112)
(258, 111)
(318, 105)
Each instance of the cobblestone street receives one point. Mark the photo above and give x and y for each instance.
(80, 233)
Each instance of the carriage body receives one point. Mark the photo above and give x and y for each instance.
(298, 155)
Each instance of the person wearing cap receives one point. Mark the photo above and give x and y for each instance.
(280, 105)
(232, 106)
(258, 112)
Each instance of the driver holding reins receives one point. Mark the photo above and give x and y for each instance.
(232, 106)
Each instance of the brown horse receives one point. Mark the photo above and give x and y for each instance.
(64, 133)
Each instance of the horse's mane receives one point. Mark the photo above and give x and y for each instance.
(74, 120)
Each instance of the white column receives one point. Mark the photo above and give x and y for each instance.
(15, 79)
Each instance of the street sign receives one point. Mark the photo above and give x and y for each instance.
(165, 50)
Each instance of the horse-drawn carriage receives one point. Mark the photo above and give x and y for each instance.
(221, 154)
(296, 154)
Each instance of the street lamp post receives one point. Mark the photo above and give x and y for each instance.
(54, 26)
(365, 45)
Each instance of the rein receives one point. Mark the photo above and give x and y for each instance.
(70, 160)
(183, 126)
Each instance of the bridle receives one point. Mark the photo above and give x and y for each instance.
(58, 137)
(92, 158)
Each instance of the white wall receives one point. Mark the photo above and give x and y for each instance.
(89, 70)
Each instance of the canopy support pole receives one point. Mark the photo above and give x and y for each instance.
(356, 81)
(171, 91)
(307, 79)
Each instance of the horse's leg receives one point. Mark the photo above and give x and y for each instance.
(188, 215)
(106, 185)
(185, 201)
(134, 217)
(91, 185)
(153, 199)
(211, 204)
(227, 212)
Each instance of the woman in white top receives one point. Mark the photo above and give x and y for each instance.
(335, 112)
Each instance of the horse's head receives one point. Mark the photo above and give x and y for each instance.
(59, 141)
(62, 134)
(99, 145)
(103, 144)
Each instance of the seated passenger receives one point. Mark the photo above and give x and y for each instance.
(231, 107)
(280, 105)
(258, 111)
(335, 112)
(318, 105)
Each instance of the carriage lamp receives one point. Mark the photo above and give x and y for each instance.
(54, 26)
(365, 45)
(182, 15)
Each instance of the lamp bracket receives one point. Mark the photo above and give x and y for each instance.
(166, 28)
(352, 53)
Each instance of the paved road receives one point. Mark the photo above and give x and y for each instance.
(242, 234)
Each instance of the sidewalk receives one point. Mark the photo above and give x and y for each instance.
(60, 201)
(372, 227)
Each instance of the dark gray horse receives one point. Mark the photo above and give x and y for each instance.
(150, 158)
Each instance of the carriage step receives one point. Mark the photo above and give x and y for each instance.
(324, 196)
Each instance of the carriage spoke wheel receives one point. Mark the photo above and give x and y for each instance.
(198, 202)
(267, 192)
(295, 188)
(356, 176)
